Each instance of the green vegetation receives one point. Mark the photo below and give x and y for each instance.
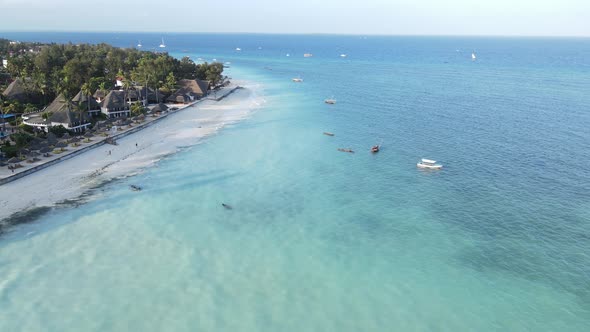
(68, 68)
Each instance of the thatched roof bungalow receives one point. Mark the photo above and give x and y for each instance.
(114, 105)
(82, 100)
(189, 90)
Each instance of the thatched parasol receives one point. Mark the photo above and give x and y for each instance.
(46, 150)
(74, 140)
(61, 145)
(13, 160)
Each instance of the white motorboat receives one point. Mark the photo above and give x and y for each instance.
(297, 79)
(343, 55)
(238, 49)
(330, 101)
(429, 164)
(162, 45)
(307, 55)
(473, 57)
(139, 44)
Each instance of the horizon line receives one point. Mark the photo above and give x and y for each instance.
(298, 34)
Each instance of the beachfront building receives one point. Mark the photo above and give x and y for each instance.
(16, 91)
(59, 113)
(114, 105)
(99, 95)
(190, 90)
(82, 100)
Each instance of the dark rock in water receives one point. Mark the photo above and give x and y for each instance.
(226, 206)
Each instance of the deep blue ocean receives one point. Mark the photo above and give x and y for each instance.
(320, 240)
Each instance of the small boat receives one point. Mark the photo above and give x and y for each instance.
(375, 148)
(298, 79)
(139, 44)
(162, 45)
(330, 101)
(473, 57)
(343, 55)
(429, 164)
(288, 54)
(346, 150)
(134, 187)
(238, 49)
(307, 55)
(227, 206)
(328, 133)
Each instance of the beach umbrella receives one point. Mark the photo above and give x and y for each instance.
(13, 160)
(51, 139)
(61, 145)
(74, 140)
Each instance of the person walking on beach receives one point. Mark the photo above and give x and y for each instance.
(109, 152)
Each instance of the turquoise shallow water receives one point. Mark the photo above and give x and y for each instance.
(320, 240)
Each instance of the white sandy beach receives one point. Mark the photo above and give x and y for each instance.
(71, 178)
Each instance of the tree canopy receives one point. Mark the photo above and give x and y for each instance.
(65, 68)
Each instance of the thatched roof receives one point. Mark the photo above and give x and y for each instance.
(65, 112)
(197, 87)
(180, 96)
(16, 91)
(82, 99)
(99, 94)
(115, 99)
(160, 108)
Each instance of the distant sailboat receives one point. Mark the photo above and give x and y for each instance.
(162, 45)
(139, 44)
(473, 57)
(238, 49)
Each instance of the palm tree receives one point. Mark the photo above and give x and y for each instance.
(126, 86)
(87, 91)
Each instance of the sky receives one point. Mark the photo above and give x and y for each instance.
(387, 17)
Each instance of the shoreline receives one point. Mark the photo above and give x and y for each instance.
(81, 171)
(8, 177)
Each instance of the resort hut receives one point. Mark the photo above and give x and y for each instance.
(82, 100)
(16, 91)
(114, 105)
(51, 139)
(99, 95)
(65, 113)
(160, 108)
